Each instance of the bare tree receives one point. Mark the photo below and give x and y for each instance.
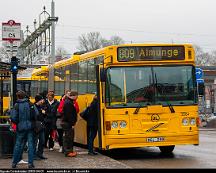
(93, 40)
(116, 40)
(202, 58)
(60, 51)
(213, 57)
(90, 41)
(4, 56)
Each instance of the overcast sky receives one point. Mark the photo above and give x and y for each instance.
(178, 21)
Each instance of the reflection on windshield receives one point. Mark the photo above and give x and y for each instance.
(141, 86)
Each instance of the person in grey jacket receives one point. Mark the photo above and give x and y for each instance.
(23, 115)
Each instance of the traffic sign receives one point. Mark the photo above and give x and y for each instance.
(199, 73)
(11, 31)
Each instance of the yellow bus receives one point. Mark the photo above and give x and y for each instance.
(28, 81)
(147, 94)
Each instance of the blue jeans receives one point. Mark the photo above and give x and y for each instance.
(18, 148)
(39, 143)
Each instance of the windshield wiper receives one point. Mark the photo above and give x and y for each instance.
(138, 108)
(171, 107)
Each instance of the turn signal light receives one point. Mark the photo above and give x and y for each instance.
(198, 121)
(108, 125)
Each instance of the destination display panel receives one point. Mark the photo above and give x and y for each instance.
(150, 53)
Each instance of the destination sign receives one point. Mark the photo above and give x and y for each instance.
(150, 53)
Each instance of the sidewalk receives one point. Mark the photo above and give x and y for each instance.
(58, 160)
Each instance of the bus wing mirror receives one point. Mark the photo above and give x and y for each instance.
(102, 75)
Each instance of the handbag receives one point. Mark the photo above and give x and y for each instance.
(38, 126)
(85, 113)
(65, 125)
(58, 123)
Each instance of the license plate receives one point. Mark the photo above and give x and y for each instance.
(157, 139)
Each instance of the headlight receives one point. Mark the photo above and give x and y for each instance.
(123, 124)
(114, 125)
(185, 121)
(193, 121)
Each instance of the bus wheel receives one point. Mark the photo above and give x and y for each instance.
(167, 149)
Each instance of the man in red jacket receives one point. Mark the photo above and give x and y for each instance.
(60, 108)
(69, 120)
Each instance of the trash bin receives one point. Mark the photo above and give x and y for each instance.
(7, 141)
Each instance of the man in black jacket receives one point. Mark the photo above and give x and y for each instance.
(68, 122)
(40, 135)
(92, 125)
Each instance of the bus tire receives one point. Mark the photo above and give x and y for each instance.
(167, 149)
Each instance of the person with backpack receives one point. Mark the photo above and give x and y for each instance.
(23, 115)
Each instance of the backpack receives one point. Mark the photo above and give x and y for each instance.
(24, 125)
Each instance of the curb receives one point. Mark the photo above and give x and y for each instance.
(207, 129)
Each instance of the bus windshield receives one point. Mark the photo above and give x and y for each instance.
(143, 86)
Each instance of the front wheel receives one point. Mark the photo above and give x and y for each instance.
(167, 149)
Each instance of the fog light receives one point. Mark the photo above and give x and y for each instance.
(114, 125)
(123, 124)
(185, 121)
(193, 121)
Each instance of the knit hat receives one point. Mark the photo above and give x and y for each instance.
(38, 98)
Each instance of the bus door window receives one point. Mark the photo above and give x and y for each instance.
(115, 86)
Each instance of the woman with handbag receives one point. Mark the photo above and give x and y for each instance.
(39, 129)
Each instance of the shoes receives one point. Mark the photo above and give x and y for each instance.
(37, 158)
(22, 162)
(92, 153)
(31, 166)
(13, 165)
(72, 154)
(51, 149)
(42, 157)
(60, 150)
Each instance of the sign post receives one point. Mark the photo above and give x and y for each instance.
(11, 31)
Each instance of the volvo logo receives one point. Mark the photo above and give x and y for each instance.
(155, 118)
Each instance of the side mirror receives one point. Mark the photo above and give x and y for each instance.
(201, 89)
(102, 75)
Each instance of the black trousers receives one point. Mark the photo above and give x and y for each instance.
(48, 137)
(60, 137)
(68, 140)
(91, 134)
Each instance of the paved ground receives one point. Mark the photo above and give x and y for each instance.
(183, 157)
(81, 161)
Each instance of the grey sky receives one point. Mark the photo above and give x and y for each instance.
(178, 21)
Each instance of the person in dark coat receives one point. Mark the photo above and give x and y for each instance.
(40, 136)
(92, 125)
(69, 120)
(51, 106)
